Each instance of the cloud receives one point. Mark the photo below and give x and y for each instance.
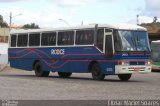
(67, 2)
(11, 0)
(147, 13)
(152, 5)
(72, 2)
(75, 3)
(132, 19)
(145, 19)
(152, 8)
(48, 17)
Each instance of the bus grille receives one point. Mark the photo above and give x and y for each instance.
(137, 63)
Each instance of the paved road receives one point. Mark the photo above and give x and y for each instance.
(23, 85)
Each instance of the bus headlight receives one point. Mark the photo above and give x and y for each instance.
(148, 63)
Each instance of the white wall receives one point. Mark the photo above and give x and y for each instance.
(3, 53)
(4, 59)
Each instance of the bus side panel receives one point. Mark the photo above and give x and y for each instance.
(17, 61)
(107, 68)
(27, 64)
(24, 59)
(24, 64)
(75, 59)
(69, 66)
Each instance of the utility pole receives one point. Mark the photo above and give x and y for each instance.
(137, 19)
(82, 23)
(10, 21)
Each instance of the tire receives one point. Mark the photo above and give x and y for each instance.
(64, 74)
(96, 72)
(39, 72)
(124, 77)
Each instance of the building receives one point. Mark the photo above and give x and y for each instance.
(153, 31)
(154, 34)
(4, 33)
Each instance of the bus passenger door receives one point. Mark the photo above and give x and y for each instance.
(108, 43)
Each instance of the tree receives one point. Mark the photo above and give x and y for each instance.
(31, 26)
(155, 20)
(3, 24)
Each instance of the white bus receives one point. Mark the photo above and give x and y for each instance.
(155, 47)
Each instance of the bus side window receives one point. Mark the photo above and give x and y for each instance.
(48, 39)
(84, 37)
(13, 40)
(100, 38)
(22, 40)
(66, 38)
(34, 39)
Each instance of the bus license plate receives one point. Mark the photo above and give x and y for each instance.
(137, 69)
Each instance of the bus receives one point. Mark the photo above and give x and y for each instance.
(99, 49)
(155, 55)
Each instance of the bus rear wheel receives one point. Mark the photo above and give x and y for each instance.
(96, 72)
(64, 74)
(39, 71)
(124, 77)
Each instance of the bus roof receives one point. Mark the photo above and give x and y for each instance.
(115, 26)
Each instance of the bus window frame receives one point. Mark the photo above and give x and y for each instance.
(57, 31)
(112, 38)
(18, 39)
(40, 33)
(48, 33)
(89, 29)
(10, 41)
(63, 31)
(102, 51)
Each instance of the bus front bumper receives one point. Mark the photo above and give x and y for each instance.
(121, 69)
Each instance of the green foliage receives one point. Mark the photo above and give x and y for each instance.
(3, 24)
(31, 26)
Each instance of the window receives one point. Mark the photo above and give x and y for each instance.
(13, 40)
(84, 37)
(66, 38)
(22, 40)
(34, 39)
(100, 38)
(108, 30)
(4, 39)
(117, 41)
(109, 46)
(48, 39)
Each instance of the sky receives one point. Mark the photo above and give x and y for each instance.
(58, 13)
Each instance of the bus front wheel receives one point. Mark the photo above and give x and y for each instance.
(96, 72)
(124, 77)
(39, 71)
(64, 74)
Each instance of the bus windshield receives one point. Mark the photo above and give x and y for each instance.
(131, 41)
